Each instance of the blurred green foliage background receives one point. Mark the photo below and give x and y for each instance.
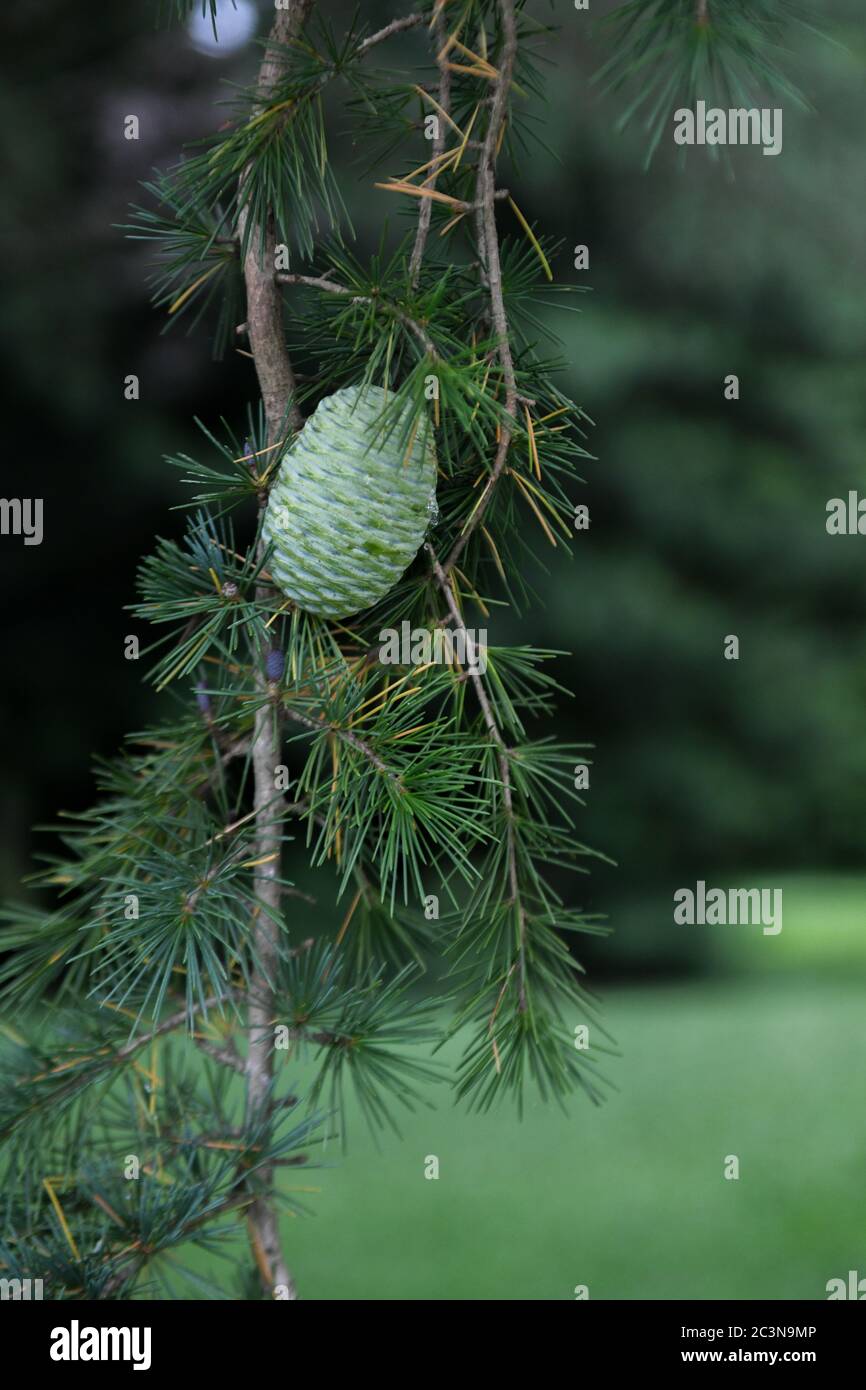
(707, 518)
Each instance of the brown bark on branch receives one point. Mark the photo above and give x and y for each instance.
(321, 282)
(503, 753)
(277, 385)
(485, 198)
(425, 212)
(395, 27)
(346, 735)
(488, 247)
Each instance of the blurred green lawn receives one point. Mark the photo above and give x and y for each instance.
(761, 1062)
(629, 1198)
(766, 1061)
(824, 927)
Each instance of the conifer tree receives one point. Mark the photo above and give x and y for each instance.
(155, 1004)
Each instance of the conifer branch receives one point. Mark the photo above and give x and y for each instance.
(315, 282)
(130, 1263)
(425, 212)
(321, 282)
(168, 1025)
(503, 754)
(226, 1056)
(264, 303)
(278, 387)
(396, 26)
(323, 726)
(485, 197)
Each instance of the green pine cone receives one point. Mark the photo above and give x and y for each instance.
(347, 516)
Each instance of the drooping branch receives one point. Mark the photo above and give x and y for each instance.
(395, 27)
(346, 735)
(321, 282)
(264, 302)
(488, 239)
(168, 1025)
(502, 754)
(485, 198)
(226, 1056)
(277, 384)
(425, 211)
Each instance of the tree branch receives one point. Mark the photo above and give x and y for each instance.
(277, 384)
(321, 282)
(226, 1056)
(503, 754)
(320, 726)
(485, 197)
(425, 212)
(395, 27)
(488, 238)
(168, 1025)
